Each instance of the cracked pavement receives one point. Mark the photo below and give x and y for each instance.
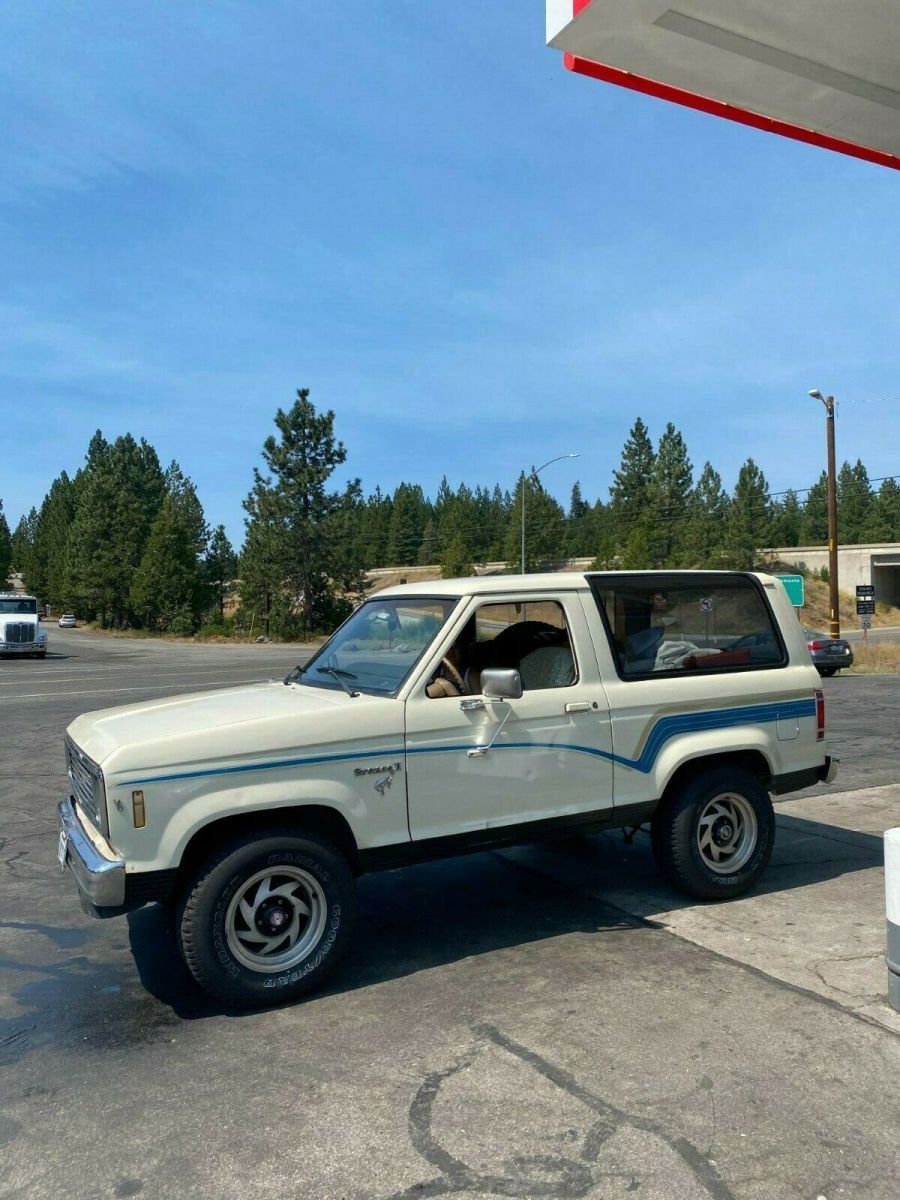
(547, 1022)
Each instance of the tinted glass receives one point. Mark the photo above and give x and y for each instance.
(677, 624)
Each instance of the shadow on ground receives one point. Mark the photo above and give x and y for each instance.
(440, 913)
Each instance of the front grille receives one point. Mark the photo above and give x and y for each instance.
(20, 632)
(87, 785)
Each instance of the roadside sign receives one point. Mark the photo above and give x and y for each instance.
(865, 591)
(793, 585)
(866, 623)
(865, 607)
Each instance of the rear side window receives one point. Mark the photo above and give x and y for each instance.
(682, 624)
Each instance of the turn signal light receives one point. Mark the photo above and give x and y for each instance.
(137, 808)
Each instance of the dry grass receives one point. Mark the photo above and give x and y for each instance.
(877, 658)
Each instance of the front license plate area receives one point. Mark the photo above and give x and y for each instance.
(62, 848)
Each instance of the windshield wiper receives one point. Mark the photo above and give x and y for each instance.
(340, 676)
(293, 673)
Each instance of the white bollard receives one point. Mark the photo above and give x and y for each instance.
(892, 905)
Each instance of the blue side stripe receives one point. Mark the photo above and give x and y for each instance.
(662, 732)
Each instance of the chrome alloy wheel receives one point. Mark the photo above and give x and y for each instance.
(276, 918)
(727, 833)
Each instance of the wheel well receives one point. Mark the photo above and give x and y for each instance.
(748, 760)
(308, 818)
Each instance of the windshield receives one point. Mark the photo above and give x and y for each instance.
(375, 650)
(28, 607)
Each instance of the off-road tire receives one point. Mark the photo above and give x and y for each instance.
(220, 945)
(687, 829)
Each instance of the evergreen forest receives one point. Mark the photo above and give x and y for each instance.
(124, 542)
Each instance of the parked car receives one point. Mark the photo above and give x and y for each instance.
(828, 654)
(444, 717)
(67, 621)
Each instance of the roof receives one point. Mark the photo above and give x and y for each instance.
(478, 585)
(820, 71)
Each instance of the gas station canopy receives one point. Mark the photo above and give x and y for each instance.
(825, 72)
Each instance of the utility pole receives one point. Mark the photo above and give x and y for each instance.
(834, 599)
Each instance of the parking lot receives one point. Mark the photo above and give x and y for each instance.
(549, 1021)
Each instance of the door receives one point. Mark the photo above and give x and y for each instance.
(475, 764)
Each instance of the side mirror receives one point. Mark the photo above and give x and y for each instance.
(501, 683)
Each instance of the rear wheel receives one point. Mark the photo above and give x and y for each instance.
(713, 838)
(267, 917)
(829, 671)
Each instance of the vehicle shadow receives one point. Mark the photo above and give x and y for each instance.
(439, 913)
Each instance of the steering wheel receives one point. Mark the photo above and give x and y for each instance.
(455, 678)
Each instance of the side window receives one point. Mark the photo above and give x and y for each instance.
(531, 637)
(711, 625)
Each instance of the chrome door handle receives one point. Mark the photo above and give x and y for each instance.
(578, 706)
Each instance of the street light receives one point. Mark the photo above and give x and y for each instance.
(534, 475)
(834, 599)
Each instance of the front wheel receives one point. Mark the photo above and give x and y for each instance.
(267, 917)
(713, 838)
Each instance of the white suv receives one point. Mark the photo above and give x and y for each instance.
(443, 718)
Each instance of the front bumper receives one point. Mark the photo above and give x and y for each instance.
(22, 647)
(101, 880)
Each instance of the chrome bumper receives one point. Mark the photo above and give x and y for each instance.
(100, 880)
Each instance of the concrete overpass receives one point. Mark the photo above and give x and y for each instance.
(877, 563)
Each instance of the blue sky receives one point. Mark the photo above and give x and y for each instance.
(475, 258)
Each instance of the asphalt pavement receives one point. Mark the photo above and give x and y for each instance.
(549, 1022)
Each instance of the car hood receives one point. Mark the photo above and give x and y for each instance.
(232, 725)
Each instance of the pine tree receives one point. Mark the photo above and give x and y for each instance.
(456, 560)
(668, 498)
(5, 548)
(430, 550)
(51, 541)
(888, 506)
(787, 520)
(748, 527)
(814, 525)
(600, 538)
(187, 502)
(165, 590)
(290, 550)
(407, 525)
(578, 531)
(704, 531)
(23, 551)
(118, 499)
(219, 568)
(629, 494)
(859, 519)
(375, 529)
